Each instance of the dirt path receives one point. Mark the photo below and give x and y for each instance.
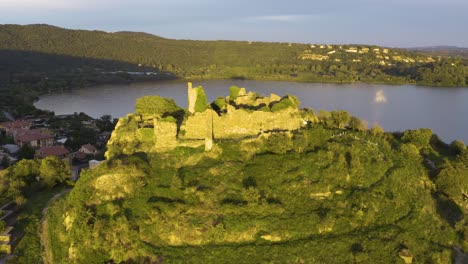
(55, 197)
(51, 200)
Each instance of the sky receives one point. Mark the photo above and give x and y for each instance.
(392, 23)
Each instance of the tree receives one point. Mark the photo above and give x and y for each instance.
(420, 137)
(340, 118)
(5, 162)
(458, 146)
(376, 130)
(25, 169)
(325, 118)
(54, 171)
(26, 152)
(105, 123)
(357, 124)
(155, 105)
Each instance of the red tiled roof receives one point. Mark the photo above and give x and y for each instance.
(28, 137)
(53, 151)
(89, 147)
(16, 124)
(80, 155)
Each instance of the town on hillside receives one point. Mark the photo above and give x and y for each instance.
(77, 139)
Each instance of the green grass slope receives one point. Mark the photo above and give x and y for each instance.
(317, 195)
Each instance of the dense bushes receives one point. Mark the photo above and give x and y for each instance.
(155, 105)
(17, 181)
(308, 196)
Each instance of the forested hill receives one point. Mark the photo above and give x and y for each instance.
(221, 59)
(445, 51)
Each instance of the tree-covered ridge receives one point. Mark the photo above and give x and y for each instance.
(232, 59)
(330, 192)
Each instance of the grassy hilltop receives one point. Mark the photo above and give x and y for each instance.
(328, 192)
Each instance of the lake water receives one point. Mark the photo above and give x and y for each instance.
(393, 107)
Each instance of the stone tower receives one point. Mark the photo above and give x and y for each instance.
(209, 131)
(192, 97)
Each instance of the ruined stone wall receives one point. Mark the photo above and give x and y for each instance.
(240, 123)
(165, 133)
(192, 98)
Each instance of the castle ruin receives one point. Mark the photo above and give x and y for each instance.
(241, 114)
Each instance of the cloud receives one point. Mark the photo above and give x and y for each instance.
(282, 18)
(39, 5)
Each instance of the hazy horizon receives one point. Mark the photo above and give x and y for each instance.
(398, 23)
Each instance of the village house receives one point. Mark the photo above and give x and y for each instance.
(34, 139)
(7, 128)
(352, 50)
(88, 149)
(56, 151)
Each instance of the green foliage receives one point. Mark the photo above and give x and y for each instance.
(219, 104)
(53, 171)
(453, 180)
(26, 152)
(308, 196)
(169, 119)
(356, 124)
(410, 150)
(420, 137)
(285, 102)
(106, 123)
(340, 118)
(234, 92)
(146, 135)
(202, 102)
(376, 130)
(2, 226)
(28, 249)
(458, 147)
(155, 105)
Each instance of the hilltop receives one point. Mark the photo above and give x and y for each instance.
(253, 179)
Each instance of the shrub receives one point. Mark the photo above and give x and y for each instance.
(234, 92)
(202, 103)
(155, 105)
(420, 137)
(2, 226)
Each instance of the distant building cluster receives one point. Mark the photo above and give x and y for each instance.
(33, 134)
(382, 56)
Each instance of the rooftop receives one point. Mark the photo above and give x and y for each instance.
(89, 147)
(16, 124)
(28, 137)
(53, 151)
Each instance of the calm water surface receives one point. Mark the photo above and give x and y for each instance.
(394, 107)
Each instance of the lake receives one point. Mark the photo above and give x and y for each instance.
(393, 107)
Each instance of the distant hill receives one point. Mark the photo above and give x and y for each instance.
(446, 51)
(103, 52)
(137, 34)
